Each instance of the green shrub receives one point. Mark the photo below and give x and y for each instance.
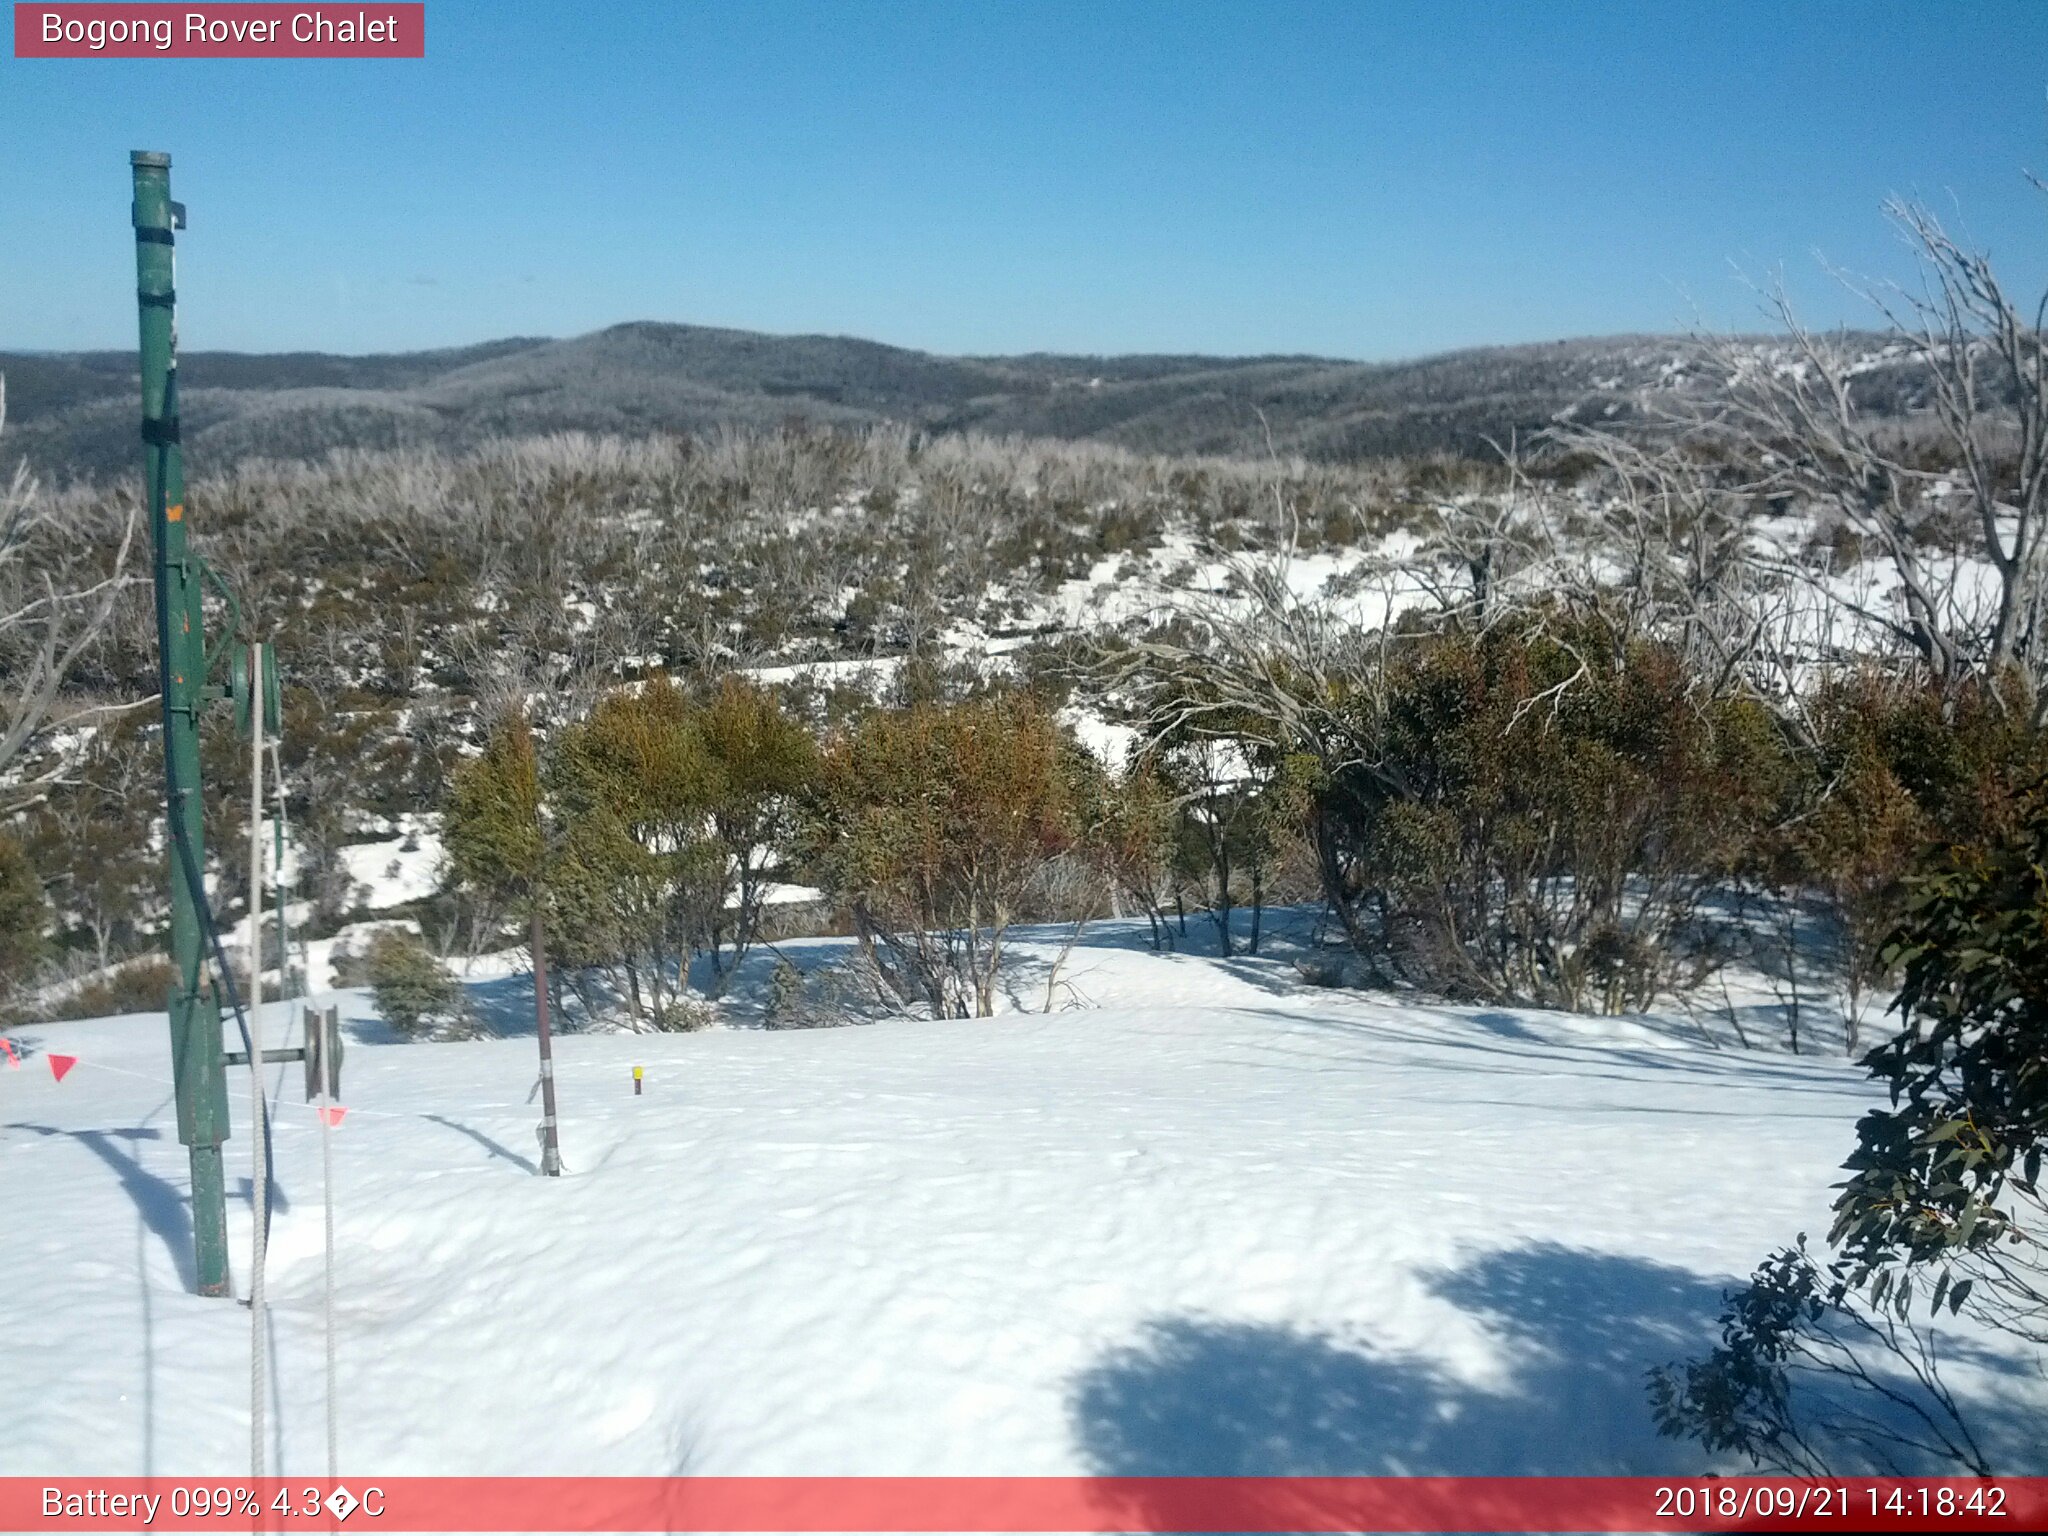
(413, 989)
(1950, 1172)
(684, 1015)
(930, 824)
(24, 913)
(138, 986)
(1897, 771)
(1539, 819)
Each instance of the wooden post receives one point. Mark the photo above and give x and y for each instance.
(550, 1141)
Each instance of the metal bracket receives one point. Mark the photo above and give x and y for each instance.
(227, 594)
(246, 690)
(321, 1053)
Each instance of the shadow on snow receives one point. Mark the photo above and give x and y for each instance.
(1578, 1330)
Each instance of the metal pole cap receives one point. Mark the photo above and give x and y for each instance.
(157, 158)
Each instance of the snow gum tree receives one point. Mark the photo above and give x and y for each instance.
(672, 810)
(763, 762)
(930, 824)
(60, 586)
(1949, 496)
(108, 878)
(1945, 1182)
(1132, 823)
(633, 785)
(492, 831)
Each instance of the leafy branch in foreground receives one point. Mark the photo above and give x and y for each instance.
(1943, 1201)
(1807, 1374)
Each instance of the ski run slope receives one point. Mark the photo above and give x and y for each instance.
(1216, 1222)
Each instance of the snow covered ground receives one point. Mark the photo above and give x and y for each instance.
(1217, 1222)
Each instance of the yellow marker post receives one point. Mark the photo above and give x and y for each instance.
(636, 1082)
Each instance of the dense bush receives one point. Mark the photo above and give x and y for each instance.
(414, 991)
(1536, 813)
(629, 788)
(1234, 809)
(24, 914)
(763, 762)
(647, 831)
(139, 986)
(929, 824)
(1536, 818)
(1895, 771)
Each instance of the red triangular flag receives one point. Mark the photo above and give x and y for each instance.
(59, 1065)
(332, 1113)
(13, 1060)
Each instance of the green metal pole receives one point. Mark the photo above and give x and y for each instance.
(197, 1068)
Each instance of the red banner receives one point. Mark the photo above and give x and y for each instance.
(1054, 1504)
(99, 31)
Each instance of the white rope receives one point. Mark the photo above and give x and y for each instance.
(314, 1023)
(283, 825)
(260, 1187)
(87, 1064)
(327, 1195)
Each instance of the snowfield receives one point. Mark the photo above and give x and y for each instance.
(1218, 1222)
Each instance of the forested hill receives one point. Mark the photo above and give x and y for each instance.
(73, 414)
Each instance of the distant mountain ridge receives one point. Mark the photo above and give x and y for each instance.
(73, 414)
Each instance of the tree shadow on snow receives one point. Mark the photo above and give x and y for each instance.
(1505, 1025)
(503, 1005)
(1201, 1397)
(1514, 1052)
(1578, 1331)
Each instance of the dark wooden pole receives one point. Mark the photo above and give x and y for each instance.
(550, 1143)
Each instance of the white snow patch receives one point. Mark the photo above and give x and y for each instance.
(1218, 1223)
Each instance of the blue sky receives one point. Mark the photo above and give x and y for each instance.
(1365, 180)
